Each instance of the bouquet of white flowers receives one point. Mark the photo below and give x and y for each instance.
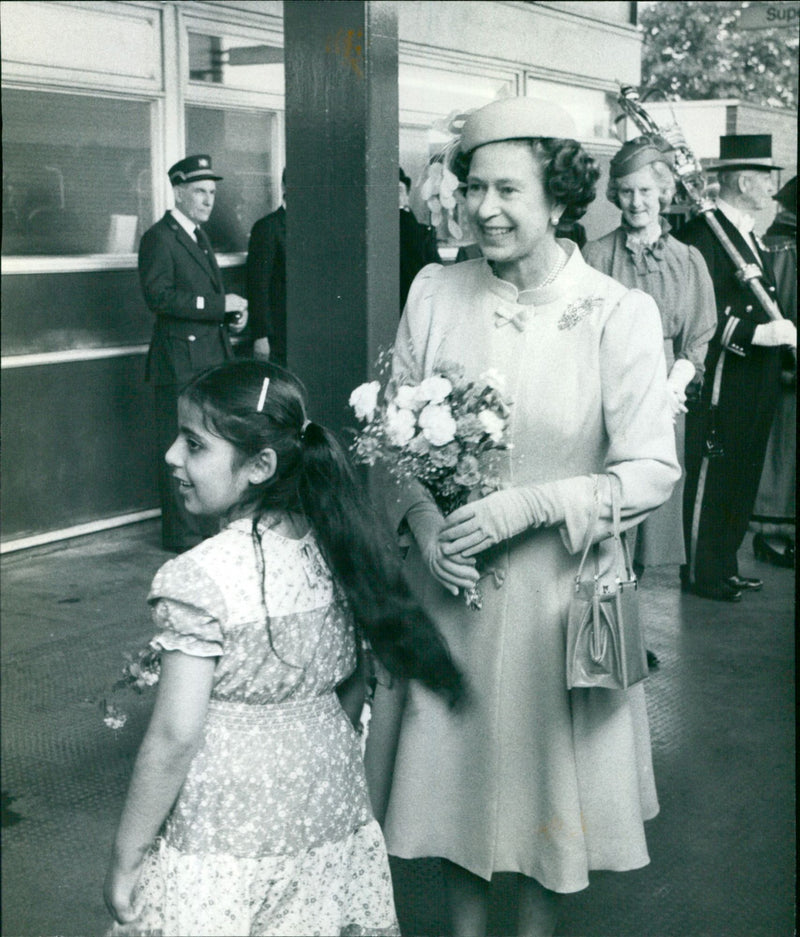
(442, 431)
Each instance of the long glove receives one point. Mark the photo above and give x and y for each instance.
(499, 516)
(425, 521)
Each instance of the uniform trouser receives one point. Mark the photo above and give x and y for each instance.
(180, 530)
(743, 421)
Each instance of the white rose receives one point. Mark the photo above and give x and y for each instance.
(494, 379)
(364, 400)
(438, 425)
(434, 389)
(400, 425)
(492, 424)
(406, 397)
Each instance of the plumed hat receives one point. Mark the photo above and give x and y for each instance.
(192, 169)
(745, 151)
(515, 119)
(639, 152)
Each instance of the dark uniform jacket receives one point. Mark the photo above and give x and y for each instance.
(417, 249)
(266, 282)
(737, 429)
(183, 286)
(738, 312)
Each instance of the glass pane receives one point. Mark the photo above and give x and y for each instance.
(76, 174)
(428, 96)
(236, 62)
(592, 110)
(435, 93)
(240, 145)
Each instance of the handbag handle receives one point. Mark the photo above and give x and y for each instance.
(621, 550)
(590, 536)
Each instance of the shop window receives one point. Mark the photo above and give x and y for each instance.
(76, 173)
(240, 145)
(236, 62)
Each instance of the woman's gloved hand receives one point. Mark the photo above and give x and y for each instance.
(484, 523)
(453, 572)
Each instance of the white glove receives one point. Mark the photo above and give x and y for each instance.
(453, 572)
(261, 348)
(497, 517)
(777, 332)
(682, 372)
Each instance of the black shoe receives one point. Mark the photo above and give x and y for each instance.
(718, 591)
(744, 582)
(652, 660)
(767, 553)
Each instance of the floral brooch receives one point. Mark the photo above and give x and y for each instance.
(578, 310)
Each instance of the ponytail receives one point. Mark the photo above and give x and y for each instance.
(256, 405)
(356, 547)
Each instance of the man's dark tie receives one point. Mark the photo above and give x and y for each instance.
(203, 241)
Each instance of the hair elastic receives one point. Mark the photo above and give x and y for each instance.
(262, 397)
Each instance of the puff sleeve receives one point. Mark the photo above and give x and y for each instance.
(641, 439)
(411, 348)
(188, 609)
(701, 315)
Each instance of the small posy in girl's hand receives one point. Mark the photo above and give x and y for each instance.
(248, 810)
(141, 671)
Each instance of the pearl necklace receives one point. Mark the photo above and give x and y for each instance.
(558, 266)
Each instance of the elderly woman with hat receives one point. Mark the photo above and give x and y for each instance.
(642, 254)
(529, 777)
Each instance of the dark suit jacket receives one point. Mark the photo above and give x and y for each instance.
(183, 286)
(266, 281)
(417, 249)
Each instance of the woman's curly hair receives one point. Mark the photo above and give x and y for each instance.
(570, 175)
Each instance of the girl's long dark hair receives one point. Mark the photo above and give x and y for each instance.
(314, 478)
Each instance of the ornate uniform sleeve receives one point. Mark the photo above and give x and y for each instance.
(641, 450)
(733, 333)
(188, 608)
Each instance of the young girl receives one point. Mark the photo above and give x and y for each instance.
(250, 757)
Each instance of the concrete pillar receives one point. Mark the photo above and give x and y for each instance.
(342, 225)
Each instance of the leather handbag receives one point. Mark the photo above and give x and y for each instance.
(605, 644)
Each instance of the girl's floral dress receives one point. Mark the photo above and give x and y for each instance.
(272, 832)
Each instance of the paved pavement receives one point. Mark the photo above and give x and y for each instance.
(722, 716)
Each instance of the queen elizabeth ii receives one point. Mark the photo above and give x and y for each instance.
(530, 778)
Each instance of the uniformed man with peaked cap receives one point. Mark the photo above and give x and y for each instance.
(183, 287)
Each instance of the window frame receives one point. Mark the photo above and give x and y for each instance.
(168, 94)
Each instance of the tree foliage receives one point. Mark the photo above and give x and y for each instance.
(694, 49)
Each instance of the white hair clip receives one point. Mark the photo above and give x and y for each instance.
(262, 397)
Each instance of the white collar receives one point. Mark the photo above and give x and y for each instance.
(741, 220)
(186, 223)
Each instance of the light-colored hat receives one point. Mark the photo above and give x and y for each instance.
(515, 119)
(639, 152)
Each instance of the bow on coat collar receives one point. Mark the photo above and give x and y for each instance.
(517, 317)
